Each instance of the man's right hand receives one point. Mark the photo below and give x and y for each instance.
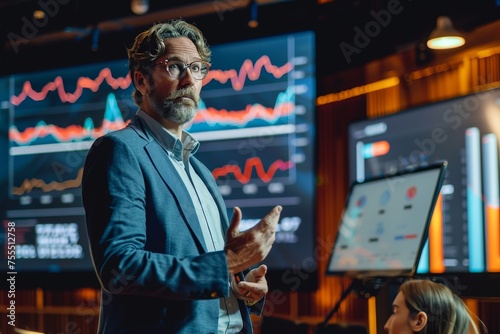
(247, 248)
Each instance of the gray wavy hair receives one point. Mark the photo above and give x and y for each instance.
(149, 45)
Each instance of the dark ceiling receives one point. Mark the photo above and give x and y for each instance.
(83, 31)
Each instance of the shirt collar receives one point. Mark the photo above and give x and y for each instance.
(180, 150)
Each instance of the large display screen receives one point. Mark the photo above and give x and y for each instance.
(255, 124)
(464, 236)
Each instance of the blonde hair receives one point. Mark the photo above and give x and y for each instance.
(149, 45)
(446, 311)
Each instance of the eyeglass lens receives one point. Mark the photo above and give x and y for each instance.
(177, 69)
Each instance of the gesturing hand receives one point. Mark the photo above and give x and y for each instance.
(254, 287)
(247, 248)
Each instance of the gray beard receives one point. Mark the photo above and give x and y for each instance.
(176, 112)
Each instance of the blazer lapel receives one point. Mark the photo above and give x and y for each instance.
(172, 179)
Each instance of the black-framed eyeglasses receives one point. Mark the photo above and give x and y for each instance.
(177, 69)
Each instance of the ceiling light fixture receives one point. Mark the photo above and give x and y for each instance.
(444, 36)
(139, 7)
(254, 21)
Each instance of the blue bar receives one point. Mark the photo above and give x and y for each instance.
(475, 220)
(423, 264)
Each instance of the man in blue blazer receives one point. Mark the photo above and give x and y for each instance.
(167, 257)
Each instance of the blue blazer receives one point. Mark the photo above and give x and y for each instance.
(146, 242)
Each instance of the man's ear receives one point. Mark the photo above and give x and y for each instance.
(418, 322)
(140, 82)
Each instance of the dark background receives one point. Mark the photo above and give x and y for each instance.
(83, 31)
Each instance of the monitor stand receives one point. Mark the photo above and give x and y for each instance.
(364, 287)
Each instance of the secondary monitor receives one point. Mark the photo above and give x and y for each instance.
(385, 223)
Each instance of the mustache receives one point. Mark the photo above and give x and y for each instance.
(184, 92)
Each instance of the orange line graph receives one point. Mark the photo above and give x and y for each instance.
(28, 185)
(82, 83)
(255, 162)
(67, 134)
(112, 121)
(248, 69)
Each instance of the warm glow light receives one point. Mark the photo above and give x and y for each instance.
(39, 14)
(139, 7)
(447, 42)
(444, 36)
(253, 23)
(25, 331)
(357, 91)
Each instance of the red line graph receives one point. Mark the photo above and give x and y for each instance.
(248, 69)
(241, 117)
(82, 83)
(251, 164)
